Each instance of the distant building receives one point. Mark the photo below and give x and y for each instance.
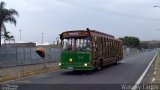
(151, 42)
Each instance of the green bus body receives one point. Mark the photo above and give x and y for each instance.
(76, 60)
(104, 50)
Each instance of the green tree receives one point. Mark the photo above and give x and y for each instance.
(5, 36)
(131, 41)
(6, 15)
(11, 38)
(8, 37)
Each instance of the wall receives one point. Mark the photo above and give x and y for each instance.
(23, 56)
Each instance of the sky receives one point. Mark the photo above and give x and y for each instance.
(116, 17)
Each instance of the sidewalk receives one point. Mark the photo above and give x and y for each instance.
(25, 71)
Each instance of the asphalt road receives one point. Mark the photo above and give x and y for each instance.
(126, 72)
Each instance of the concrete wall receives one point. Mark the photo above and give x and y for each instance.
(23, 56)
(14, 45)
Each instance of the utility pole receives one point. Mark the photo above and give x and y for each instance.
(42, 37)
(20, 35)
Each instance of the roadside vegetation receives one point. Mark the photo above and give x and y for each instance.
(130, 41)
(6, 15)
(157, 76)
(28, 73)
(7, 36)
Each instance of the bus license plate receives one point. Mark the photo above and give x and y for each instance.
(70, 67)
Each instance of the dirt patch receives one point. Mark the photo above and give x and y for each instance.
(28, 73)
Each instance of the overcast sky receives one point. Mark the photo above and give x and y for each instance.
(116, 17)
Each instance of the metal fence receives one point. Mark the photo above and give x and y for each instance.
(10, 57)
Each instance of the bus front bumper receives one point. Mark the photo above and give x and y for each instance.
(77, 67)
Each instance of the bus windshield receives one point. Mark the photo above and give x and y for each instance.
(77, 44)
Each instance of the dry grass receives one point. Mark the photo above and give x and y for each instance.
(28, 74)
(157, 76)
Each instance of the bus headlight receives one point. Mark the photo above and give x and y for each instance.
(70, 59)
(85, 64)
(59, 64)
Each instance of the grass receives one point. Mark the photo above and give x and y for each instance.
(157, 76)
(27, 74)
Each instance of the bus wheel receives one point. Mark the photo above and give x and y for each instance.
(99, 66)
(116, 61)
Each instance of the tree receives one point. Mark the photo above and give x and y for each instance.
(131, 41)
(6, 15)
(11, 38)
(5, 36)
(8, 37)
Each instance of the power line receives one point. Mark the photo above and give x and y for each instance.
(113, 12)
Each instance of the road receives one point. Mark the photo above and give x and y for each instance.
(126, 72)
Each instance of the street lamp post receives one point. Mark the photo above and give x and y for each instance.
(20, 35)
(57, 39)
(42, 37)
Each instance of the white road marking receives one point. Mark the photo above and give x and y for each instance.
(142, 76)
(154, 73)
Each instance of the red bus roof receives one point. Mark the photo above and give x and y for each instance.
(74, 33)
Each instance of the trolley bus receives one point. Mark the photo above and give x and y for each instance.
(89, 50)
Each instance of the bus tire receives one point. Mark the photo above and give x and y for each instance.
(117, 60)
(99, 66)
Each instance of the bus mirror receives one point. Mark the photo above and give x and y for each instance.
(41, 52)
